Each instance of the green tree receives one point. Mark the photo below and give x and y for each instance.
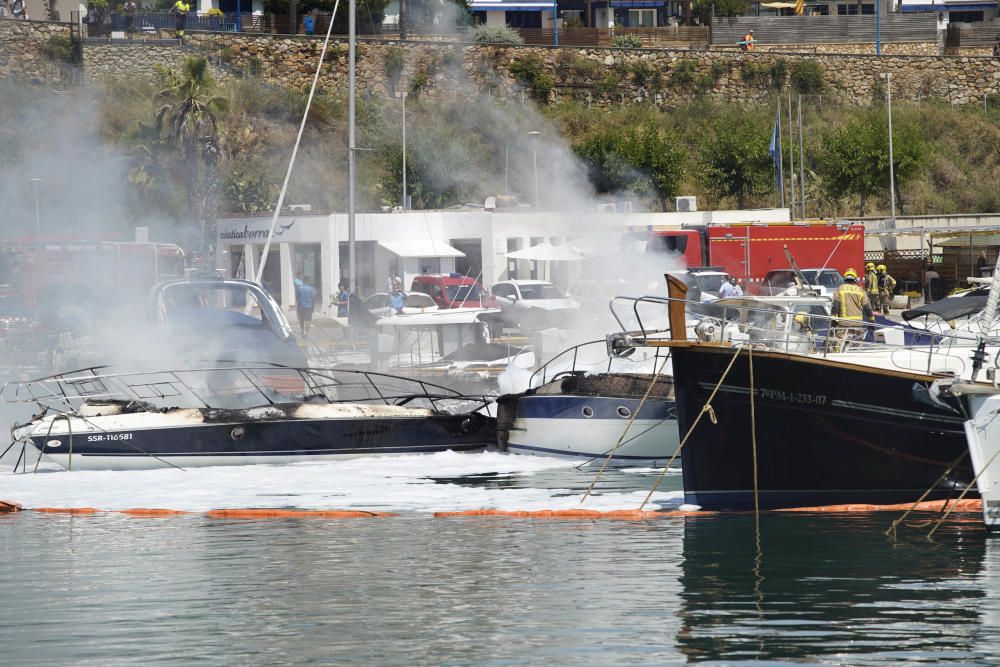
(702, 9)
(189, 119)
(854, 159)
(643, 160)
(735, 158)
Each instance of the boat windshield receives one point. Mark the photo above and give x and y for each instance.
(541, 292)
(463, 292)
(823, 278)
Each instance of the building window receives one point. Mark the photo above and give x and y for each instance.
(965, 17)
(642, 18)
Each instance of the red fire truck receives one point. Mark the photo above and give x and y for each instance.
(749, 250)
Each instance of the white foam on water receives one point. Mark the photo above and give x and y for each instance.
(394, 483)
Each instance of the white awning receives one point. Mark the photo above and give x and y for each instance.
(420, 248)
(547, 252)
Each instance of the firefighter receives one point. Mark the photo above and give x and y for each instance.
(746, 44)
(886, 286)
(180, 11)
(850, 309)
(871, 285)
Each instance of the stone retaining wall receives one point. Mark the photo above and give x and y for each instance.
(599, 76)
(21, 54)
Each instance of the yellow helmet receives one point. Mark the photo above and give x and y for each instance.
(880, 267)
(870, 265)
(851, 273)
(802, 319)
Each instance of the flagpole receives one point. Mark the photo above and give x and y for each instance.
(802, 160)
(781, 159)
(791, 162)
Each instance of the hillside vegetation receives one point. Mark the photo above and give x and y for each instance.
(136, 168)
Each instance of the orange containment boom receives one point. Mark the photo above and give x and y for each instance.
(293, 514)
(966, 505)
(564, 514)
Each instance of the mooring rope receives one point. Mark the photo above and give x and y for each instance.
(705, 408)
(891, 530)
(753, 440)
(962, 495)
(628, 425)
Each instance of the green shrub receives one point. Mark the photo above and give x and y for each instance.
(585, 67)
(779, 72)
(506, 35)
(59, 48)
(807, 77)
(606, 86)
(530, 73)
(718, 69)
(751, 72)
(642, 73)
(627, 41)
(395, 59)
(684, 72)
(418, 83)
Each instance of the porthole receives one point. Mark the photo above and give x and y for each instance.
(54, 443)
(624, 412)
(587, 411)
(237, 433)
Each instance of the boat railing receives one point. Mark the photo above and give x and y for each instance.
(568, 362)
(232, 387)
(794, 325)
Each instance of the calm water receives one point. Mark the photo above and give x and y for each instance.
(415, 590)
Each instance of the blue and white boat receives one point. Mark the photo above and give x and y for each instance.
(617, 410)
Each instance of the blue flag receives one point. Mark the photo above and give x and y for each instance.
(775, 151)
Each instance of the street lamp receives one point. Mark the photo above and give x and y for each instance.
(38, 219)
(534, 134)
(402, 95)
(892, 169)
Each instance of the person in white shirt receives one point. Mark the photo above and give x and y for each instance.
(730, 288)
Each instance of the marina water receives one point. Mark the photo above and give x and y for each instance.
(413, 589)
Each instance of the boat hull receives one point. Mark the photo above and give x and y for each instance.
(983, 433)
(585, 418)
(132, 447)
(826, 433)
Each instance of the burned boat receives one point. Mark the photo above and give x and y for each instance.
(90, 420)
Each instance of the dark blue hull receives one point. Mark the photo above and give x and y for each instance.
(826, 433)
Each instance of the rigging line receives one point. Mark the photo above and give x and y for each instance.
(295, 149)
(705, 408)
(628, 425)
(891, 530)
(964, 491)
(753, 440)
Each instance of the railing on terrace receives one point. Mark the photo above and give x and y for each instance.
(768, 30)
(664, 37)
(972, 34)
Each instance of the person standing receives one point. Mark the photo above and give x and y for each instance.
(850, 309)
(747, 43)
(342, 300)
(392, 282)
(305, 302)
(130, 9)
(932, 283)
(730, 288)
(886, 286)
(871, 286)
(181, 9)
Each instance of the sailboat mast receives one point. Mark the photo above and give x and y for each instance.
(351, 145)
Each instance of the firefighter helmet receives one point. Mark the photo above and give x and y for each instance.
(880, 267)
(850, 274)
(869, 265)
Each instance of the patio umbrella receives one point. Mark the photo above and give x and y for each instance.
(547, 252)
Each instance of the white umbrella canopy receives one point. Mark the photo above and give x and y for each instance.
(547, 252)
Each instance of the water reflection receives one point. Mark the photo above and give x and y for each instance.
(415, 590)
(829, 589)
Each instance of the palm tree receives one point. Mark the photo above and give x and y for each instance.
(189, 117)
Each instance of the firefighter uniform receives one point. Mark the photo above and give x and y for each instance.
(871, 285)
(886, 286)
(851, 307)
(180, 11)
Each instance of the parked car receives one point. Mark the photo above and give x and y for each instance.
(416, 302)
(453, 291)
(534, 304)
(822, 281)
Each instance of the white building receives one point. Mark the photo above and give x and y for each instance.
(473, 242)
